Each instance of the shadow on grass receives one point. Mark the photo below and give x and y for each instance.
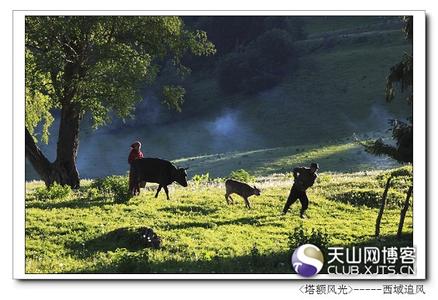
(193, 209)
(132, 239)
(76, 203)
(251, 263)
(256, 221)
(246, 264)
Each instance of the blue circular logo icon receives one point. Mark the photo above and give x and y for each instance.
(307, 260)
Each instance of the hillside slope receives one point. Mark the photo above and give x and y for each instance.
(199, 232)
(336, 91)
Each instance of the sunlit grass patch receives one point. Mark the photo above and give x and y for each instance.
(199, 231)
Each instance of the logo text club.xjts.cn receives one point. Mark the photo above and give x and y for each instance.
(308, 260)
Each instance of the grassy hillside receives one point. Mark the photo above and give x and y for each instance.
(343, 156)
(200, 233)
(333, 95)
(336, 91)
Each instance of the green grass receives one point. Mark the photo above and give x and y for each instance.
(336, 91)
(199, 232)
(343, 156)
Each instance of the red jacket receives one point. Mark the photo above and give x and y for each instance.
(133, 155)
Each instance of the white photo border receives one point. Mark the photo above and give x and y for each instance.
(419, 165)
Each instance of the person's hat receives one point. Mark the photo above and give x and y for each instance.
(314, 165)
(136, 143)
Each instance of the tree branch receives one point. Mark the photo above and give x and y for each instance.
(36, 157)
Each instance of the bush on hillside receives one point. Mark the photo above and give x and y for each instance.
(275, 49)
(115, 187)
(258, 66)
(200, 179)
(53, 192)
(369, 197)
(300, 236)
(242, 175)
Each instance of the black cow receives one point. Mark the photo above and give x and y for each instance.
(159, 171)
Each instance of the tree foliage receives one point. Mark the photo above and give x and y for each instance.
(400, 75)
(230, 32)
(402, 135)
(95, 65)
(259, 65)
(100, 63)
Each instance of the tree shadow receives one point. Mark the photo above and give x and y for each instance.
(246, 264)
(76, 203)
(278, 262)
(193, 209)
(132, 239)
(405, 240)
(212, 224)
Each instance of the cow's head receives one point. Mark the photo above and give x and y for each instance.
(256, 191)
(180, 176)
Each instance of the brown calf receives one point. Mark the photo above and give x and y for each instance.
(241, 189)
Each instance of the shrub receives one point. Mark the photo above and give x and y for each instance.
(276, 48)
(258, 66)
(242, 175)
(53, 192)
(92, 193)
(257, 259)
(233, 70)
(369, 197)
(201, 179)
(403, 171)
(324, 178)
(217, 180)
(300, 236)
(113, 186)
(288, 175)
(401, 178)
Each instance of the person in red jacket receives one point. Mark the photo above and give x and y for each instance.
(133, 155)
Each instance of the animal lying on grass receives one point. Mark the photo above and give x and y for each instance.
(242, 189)
(158, 171)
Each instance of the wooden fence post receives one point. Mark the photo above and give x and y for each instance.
(382, 206)
(403, 212)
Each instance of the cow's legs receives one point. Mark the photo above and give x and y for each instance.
(248, 205)
(137, 189)
(226, 198)
(158, 190)
(132, 184)
(167, 192)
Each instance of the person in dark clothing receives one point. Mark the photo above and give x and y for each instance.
(133, 155)
(304, 178)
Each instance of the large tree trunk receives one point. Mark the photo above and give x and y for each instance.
(63, 170)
